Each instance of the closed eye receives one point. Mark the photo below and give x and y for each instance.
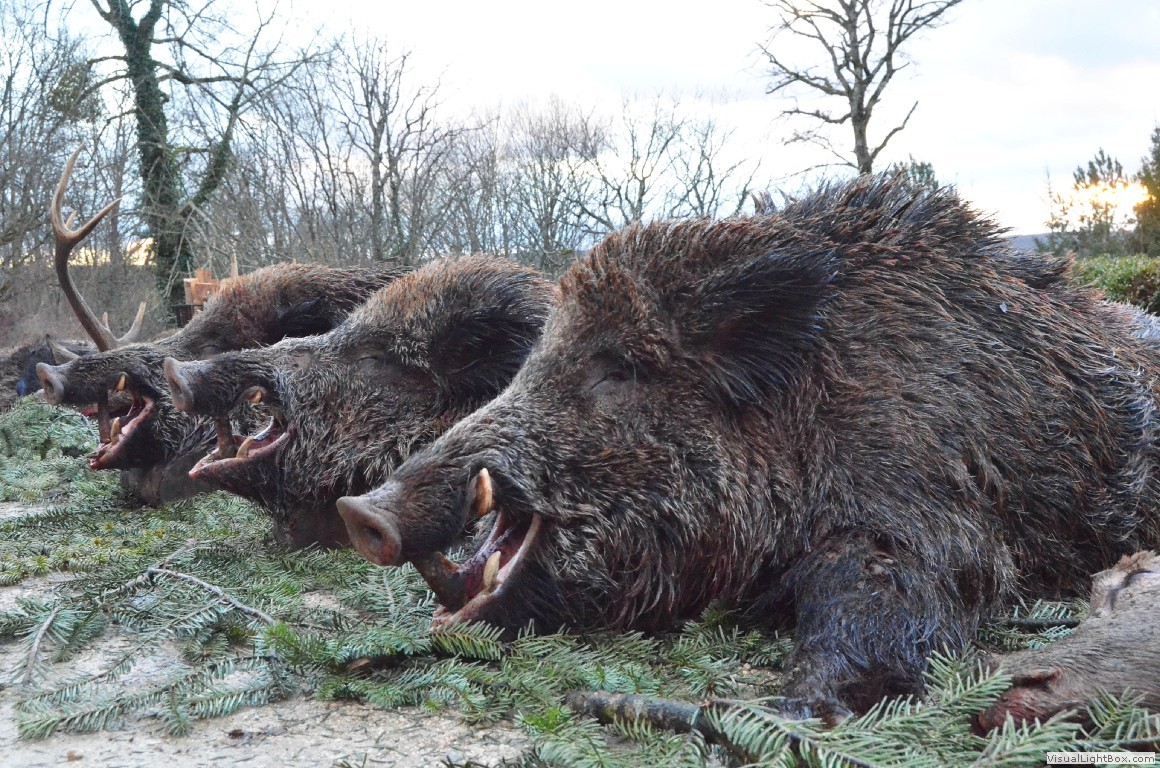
(608, 374)
(611, 377)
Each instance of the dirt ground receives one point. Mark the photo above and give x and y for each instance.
(290, 733)
(295, 732)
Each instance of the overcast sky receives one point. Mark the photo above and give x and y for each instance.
(1008, 90)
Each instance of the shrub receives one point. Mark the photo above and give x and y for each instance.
(1134, 279)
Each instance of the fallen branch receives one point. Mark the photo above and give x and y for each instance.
(685, 717)
(676, 716)
(143, 577)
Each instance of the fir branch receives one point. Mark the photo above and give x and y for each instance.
(36, 641)
(1040, 624)
(220, 593)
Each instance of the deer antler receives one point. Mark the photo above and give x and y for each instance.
(60, 354)
(66, 239)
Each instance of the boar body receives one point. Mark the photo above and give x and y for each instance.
(139, 429)
(350, 405)
(853, 416)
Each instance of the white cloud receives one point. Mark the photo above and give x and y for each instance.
(1007, 91)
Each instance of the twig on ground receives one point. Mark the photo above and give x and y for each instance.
(214, 590)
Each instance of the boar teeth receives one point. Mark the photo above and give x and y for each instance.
(490, 571)
(121, 383)
(484, 495)
(244, 448)
(115, 430)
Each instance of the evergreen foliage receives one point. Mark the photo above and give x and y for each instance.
(1147, 235)
(237, 622)
(1086, 219)
(919, 174)
(1134, 279)
(39, 445)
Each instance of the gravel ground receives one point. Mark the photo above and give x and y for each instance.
(295, 732)
(289, 733)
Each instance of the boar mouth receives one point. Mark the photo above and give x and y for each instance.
(116, 427)
(234, 453)
(475, 590)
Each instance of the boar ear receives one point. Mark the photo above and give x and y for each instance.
(306, 318)
(481, 351)
(751, 323)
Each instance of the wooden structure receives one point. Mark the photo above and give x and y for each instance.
(199, 288)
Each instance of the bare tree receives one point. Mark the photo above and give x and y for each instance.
(177, 57)
(549, 200)
(706, 182)
(628, 160)
(307, 146)
(858, 49)
(39, 117)
(479, 212)
(393, 125)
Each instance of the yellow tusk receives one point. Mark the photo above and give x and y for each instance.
(491, 571)
(484, 495)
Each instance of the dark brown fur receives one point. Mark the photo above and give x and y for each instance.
(421, 353)
(854, 416)
(273, 303)
(1116, 651)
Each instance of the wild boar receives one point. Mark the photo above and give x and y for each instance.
(350, 405)
(24, 359)
(852, 416)
(139, 430)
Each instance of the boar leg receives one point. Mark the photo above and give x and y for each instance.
(867, 617)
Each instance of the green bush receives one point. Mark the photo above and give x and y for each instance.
(1134, 279)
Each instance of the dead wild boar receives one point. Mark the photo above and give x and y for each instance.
(139, 430)
(1116, 651)
(349, 406)
(146, 432)
(47, 350)
(849, 416)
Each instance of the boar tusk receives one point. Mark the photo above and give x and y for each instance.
(121, 383)
(244, 448)
(484, 495)
(115, 429)
(103, 420)
(490, 571)
(256, 396)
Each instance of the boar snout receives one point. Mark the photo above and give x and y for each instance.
(373, 532)
(53, 381)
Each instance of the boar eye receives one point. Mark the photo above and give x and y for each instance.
(370, 361)
(382, 365)
(607, 376)
(208, 350)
